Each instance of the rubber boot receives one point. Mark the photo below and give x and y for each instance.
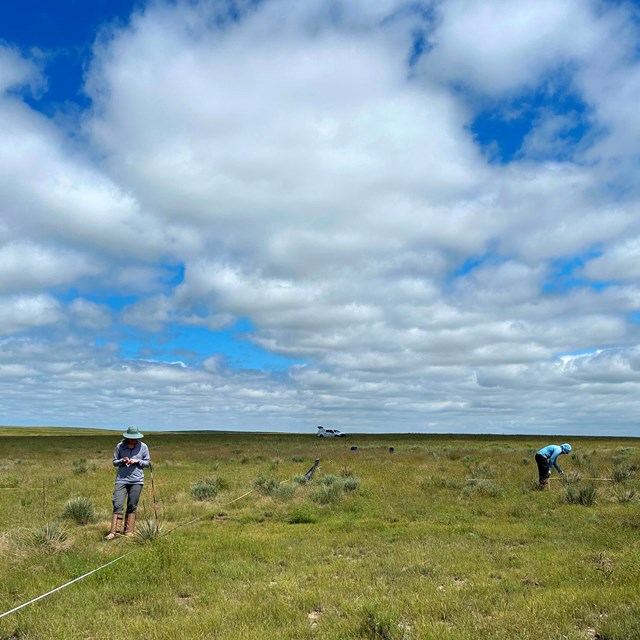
(130, 524)
(116, 525)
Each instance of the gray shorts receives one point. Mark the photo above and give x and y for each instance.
(129, 491)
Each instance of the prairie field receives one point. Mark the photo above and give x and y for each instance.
(394, 537)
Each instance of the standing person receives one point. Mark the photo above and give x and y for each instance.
(130, 457)
(547, 458)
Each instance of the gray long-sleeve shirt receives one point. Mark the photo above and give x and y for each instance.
(134, 473)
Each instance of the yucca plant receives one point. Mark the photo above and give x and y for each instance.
(585, 495)
(147, 531)
(50, 534)
(80, 510)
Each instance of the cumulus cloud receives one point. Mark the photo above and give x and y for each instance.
(311, 170)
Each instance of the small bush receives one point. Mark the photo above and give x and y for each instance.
(326, 493)
(623, 494)
(208, 488)
(351, 484)
(475, 488)
(345, 472)
(330, 479)
(621, 474)
(585, 495)
(297, 458)
(299, 479)
(265, 486)
(285, 491)
(9, 482)
(481, 470)
(79, 509)
(80, 466)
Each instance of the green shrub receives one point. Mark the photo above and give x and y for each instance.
(623, 473)
(297, 458)
(585, 495)
(265, 486)
(208, 488)
(79, 509)
(285, 491)
(80, 466)
(9, 482)
(623, 493)
(351, 484)
(480, 488)
(330, 479)
(326, 493)
(299, 479)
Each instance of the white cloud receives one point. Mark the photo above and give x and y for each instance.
(289, 168)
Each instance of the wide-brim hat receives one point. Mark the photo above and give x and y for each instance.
(132, 433)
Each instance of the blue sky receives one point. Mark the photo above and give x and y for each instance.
(266, 216)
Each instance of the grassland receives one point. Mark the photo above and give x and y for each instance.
(444, 538)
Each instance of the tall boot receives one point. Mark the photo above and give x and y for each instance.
(130, 524)
(116, 525)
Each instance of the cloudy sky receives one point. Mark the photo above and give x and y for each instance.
(272, 214)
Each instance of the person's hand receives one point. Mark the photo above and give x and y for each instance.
(133, 460)
(126, 460)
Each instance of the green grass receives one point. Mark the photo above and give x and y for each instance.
(445, 538)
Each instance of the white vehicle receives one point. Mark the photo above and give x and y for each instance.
(329, 433)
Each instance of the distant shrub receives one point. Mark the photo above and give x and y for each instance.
(331, 480)
(265, 486)
(10, 482)
(297, 458)
(326, 493)
(208, 488)
(623, 493)
(526, 461)
(299, 479)
(623, 473)
(285, 491)
(79, 509)
(80, 466)
(351, 484)
(480, 488)
(481, 470)
(585, 495)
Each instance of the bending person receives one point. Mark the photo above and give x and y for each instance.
(130, 457)
(547, 458)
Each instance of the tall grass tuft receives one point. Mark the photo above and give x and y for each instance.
(623, 494)
(208, 488)
(585, 495)
(79, 509)
(265, 486)
(621, 474)
(326, 493)
(475, 488)
(380, 625)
